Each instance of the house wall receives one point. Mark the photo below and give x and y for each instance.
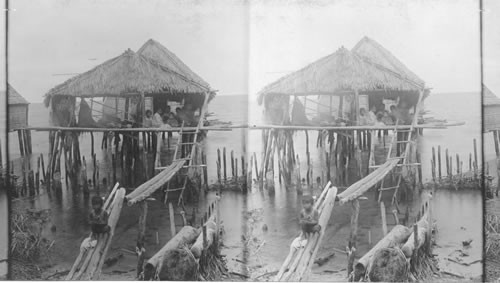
(491, 118)
(18, 116)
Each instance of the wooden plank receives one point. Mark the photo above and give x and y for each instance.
(363, 185)
(245, 126)
(146, 189)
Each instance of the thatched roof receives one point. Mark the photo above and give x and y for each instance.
(154, 50)
(129, 73)
(341, 71)
(15, 97)
(375, 53)
(489, 98)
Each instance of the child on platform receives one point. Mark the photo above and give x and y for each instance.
(308, 220)
(98, 218)
(309, 217)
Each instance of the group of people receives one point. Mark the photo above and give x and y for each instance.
(164, 117)
(385, 118)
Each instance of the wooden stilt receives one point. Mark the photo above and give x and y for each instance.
(28, 138)
(439, 161)
(224, 163)
(232, 163)
(142, 221)
(475, 158)
(205, 173)
(447, 164)
(21, 147)
(354, 223)
(384, 221)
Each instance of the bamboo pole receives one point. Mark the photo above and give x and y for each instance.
(172, 219)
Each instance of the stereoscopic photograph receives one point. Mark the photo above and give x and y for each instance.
(250, 141)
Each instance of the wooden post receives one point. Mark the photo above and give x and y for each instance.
(43, 167)
(451, 167)
(172, 219)
(447, 164)
(204, 229)
(384, 221)
(308, 156)
(356, 105)
(219, 175)
(142, 221)
(217, 218)
(256, 169)
(439, 161)
(475, 158)
(415, 238)
(28, 138)
(369, 238)
(224, 160)
(433, 164)
(396, 218)
(37, 176)
(419, 168)
(20, 137)
(113, 164)
(470, 161)
(235, 169)
(354, 224)
(232, 163)
(205, 173)
(496, 134)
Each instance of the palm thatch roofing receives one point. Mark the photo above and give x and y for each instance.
(375, 53)
(129, 74)
(14, 97)
(344, 70)
(152, 49)
(489, 98)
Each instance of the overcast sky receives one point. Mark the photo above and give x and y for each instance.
(438, 40)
